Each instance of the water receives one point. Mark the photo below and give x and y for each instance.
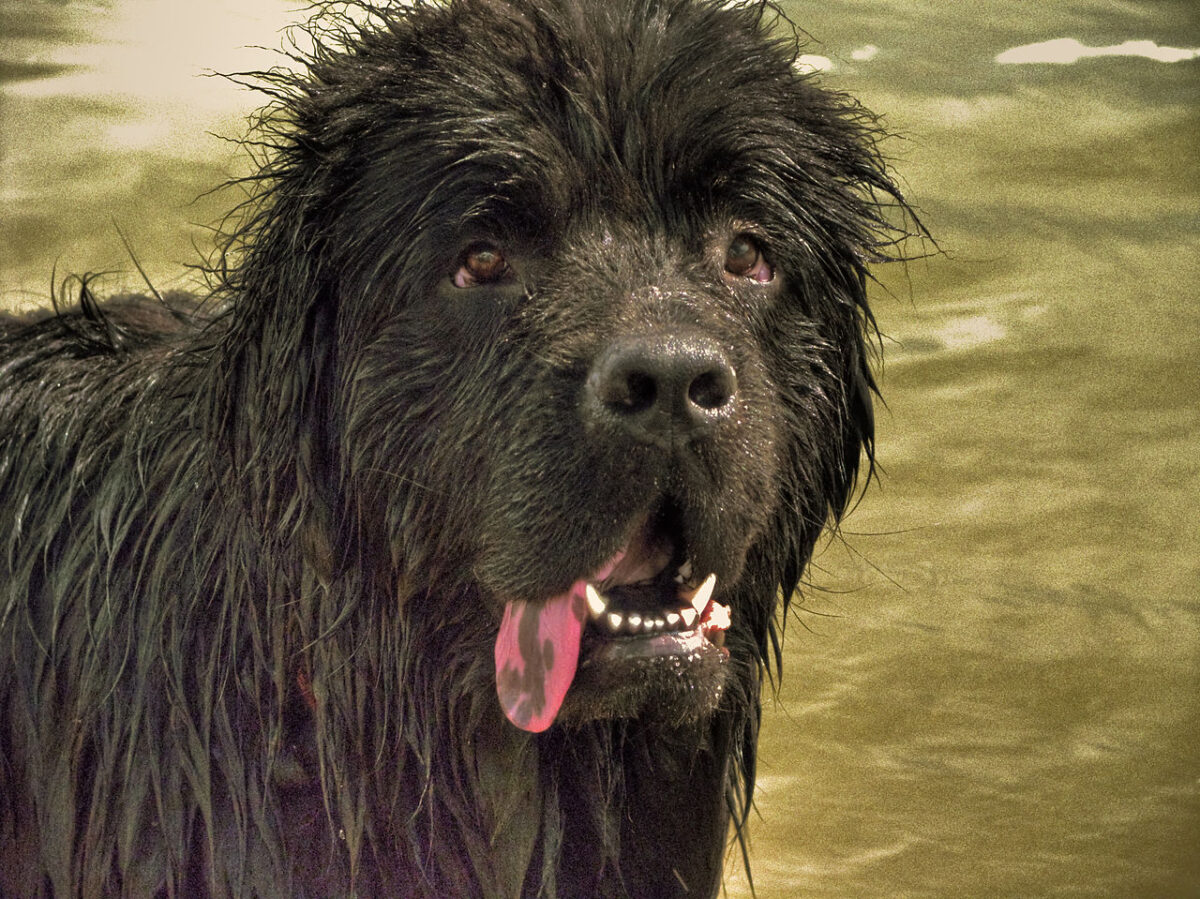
(993, 687)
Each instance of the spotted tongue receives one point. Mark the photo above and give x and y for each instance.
(537, 650)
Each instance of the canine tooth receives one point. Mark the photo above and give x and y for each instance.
(596, 603)
(689, 616)
(719, 617)
(615, 620)
(703, 593)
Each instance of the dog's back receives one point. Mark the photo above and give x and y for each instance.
(90, 409)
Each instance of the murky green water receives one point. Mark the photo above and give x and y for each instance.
(994, 688)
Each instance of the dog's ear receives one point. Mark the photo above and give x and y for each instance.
(274, 415)
(858, 434)
(850, 214)
(318, 531)
(317, 471)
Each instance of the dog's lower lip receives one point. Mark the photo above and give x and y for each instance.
(686, 645)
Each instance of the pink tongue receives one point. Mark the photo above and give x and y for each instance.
(537, 650)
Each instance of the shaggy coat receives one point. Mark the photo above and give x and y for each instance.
(256, 549)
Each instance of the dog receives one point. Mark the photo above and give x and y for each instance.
(442, 549)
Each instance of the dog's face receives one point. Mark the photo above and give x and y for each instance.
(594, 273)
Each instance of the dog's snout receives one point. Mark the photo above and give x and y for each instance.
(662, 386)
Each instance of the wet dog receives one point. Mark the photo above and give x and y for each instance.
(440, 552)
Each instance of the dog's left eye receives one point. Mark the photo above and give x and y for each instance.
(744, 258)
(481, 263)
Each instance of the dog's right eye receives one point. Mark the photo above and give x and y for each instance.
(481, 263)
(744, 259)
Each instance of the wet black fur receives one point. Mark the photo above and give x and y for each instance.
(326, 478)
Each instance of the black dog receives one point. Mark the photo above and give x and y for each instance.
(440, 551)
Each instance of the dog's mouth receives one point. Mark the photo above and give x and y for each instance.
(646, 603)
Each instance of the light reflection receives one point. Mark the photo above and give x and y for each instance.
(1067, 50)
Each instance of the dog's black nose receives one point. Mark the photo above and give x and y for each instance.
(661, 386)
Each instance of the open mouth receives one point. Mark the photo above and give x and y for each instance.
(645, 602)
(649, 594)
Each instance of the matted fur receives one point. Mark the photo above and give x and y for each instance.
(253, 550)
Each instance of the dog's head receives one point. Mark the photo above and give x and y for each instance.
(575, 291)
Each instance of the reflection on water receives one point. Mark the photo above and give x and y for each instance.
(994, 685)
(105, 118)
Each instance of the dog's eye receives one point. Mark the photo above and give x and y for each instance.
(481, 263)
(744, 258)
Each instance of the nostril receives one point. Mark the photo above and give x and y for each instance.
(623, 386)
(713, 389)
(641, 392)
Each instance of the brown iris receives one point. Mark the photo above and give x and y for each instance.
(481, 263)
(744, 259)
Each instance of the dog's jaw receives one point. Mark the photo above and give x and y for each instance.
(636, 610)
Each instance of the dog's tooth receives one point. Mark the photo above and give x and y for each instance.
(703, 593)
(635, 622)
(672, 619)
(719, 617)
(596, 603)
(685, 571)
(689, 616)
(658, 625)
(615, 620)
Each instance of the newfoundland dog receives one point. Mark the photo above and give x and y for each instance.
(441, 550)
